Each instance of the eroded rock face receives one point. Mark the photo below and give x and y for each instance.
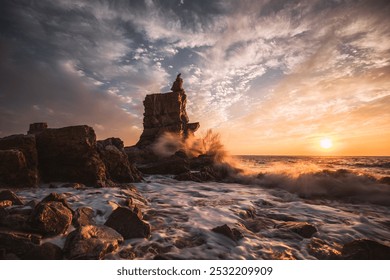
(118, 167)
(128, 223)
(70, 154)
(165, 113)
(91, 242)
(18, 161)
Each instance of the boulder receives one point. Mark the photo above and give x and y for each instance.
(51, 218)
(200, 176)
(234, 234)
(46, 251)
(17, 242)
(303, 229)
(118, 167)
(58, 198)
(322, 251)
(91, 242)
(70, 154)
(11, 196)
(363, 249)
(83, 216)
(128, 223)
(26, 167)
(5, 203)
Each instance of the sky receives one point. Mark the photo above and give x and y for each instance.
(272, 77)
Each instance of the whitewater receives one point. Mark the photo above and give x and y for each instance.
(344, 198)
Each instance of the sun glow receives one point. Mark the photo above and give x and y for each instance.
(326, 143)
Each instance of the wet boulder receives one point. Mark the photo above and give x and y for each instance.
(83, 216)
(91, 242)
(232, 233)
(18, 242)
(322, 250)
(303, 229)
(363, 249)
(51, 218)
(128, 223)
(10, 196)
(172, 165)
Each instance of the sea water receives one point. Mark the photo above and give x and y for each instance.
(341, 196)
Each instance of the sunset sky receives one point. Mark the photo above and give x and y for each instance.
(273, 77)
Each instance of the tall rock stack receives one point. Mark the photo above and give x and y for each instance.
(166, 112)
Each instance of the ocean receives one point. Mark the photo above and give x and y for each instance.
(344, 198)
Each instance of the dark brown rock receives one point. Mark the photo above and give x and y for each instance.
(83, 216)
(172, 165)
(234, 234)
(10, 195)
(17, 242)
(58, 198)
(46, 251)
(5, 203)
(118, 167)
(36, 128)
(70, 154)
(177, 84)
(51, 218)
(385, 180)
(363, 249)
(28, 171)
(16, 221)
(128, 224)
(303, 229)
(91, 242)
(201, 176)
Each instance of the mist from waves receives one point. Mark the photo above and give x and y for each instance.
(353, 179)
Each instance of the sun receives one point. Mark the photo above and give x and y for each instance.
(326, 143)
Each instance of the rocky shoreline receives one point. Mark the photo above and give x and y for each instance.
(71, 159)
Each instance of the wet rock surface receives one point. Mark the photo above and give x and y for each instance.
(91, 242)
(364, 249)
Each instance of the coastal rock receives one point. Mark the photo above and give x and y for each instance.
(234, 234)
(172, 165)
(91, 242)
(11, 196)
(322, 251)
(46, 251)
(5, 203)
(201, 176)
(51, 218)
(128, 223)
(17, 242)
(118, 167)
(36, 128)
(166, 113)
(18, 170)
(70, 154)
(83, 216)
(58, 198)
(363, 249)
(303, 229)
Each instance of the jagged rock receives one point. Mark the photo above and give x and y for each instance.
(5, 203)
(16, 220)
(46, 251)
(385, 180)
(83, 216)
(303, 229)
(322, 251)
(17, 242)
(70, 154)
(177, 84)
(118, 167)
(234, 234)
(18, 170)
(11, 196)
(363, 249)
(200, 176)
(127, 223)
(172, 165)
(51, 218)
(36, 128)
(91, 242)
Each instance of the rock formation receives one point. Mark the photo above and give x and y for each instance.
(166, 112)
(69, 154)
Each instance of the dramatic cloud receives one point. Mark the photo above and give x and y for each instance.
(271, 76)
